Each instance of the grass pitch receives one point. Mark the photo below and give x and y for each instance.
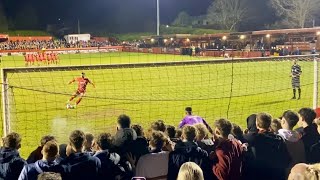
(234, 91)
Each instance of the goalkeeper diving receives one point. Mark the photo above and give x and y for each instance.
(82, 87)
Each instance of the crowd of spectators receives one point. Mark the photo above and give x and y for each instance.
(270, 149)
(51, 44)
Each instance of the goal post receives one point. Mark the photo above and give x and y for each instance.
(34, 98)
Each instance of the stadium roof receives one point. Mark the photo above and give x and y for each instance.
(287, 31)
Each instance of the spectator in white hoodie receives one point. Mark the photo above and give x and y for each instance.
(292, 138)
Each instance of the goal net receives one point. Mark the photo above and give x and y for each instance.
(34, 98)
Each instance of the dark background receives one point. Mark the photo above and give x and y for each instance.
(117, 16)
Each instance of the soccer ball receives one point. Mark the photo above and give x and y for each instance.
(69, 106)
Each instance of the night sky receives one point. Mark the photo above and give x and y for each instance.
(119, 16)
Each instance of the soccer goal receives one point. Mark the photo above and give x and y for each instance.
(34, 99)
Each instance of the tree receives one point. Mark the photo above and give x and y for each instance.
(3, 19)
(295, 13)
(227, 13)
(183, 19)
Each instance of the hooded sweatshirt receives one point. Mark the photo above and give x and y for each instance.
(289, 135)
(294, 145)
(31, 171)
(11, 164)
(188, 152)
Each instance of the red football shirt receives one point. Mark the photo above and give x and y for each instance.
(82, 84)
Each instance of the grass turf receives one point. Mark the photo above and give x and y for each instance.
(233, 91)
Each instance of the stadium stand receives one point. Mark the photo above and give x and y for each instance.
(36, 44)
(227, 153)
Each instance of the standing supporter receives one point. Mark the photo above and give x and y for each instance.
(79, 165)
(268, 152)
(190, 171)
(251, 127)
(170, 131)
(188, 150)
(47, 164)
(238, 133)
(292, 138)
(275, 125)
(155, 164)
(190, 119)
(178, 134)
(140, 145)
(228, 154)
(124, 134)
(158, 126)
(88, 145)
(37, 153)
(202, 138)
(11, 163)
(310, 134)
(109, 161)
(251, 124)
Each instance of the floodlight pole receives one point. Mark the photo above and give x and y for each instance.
(158, 18)
(78, 26)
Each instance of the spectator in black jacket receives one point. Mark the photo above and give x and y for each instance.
(109, 161)
(170, 131)
(140, 145)
(11, 163)
(310, 134)
(79, 165)
(269, 155)
(47, 164)
(124, 134)
(251, 126)
(188, 150)
(36, 154)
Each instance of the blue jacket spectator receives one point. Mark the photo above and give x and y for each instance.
(11, 163)
(78, 164)
(47, 164)
(188, 150)
(109, 161)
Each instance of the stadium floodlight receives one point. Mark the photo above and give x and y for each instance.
(224, 38)
(268, 36)
(242, 37)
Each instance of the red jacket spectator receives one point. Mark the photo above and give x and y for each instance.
(228, 160)
(228, 154)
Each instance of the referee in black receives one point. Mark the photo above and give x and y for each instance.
(295, 75)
